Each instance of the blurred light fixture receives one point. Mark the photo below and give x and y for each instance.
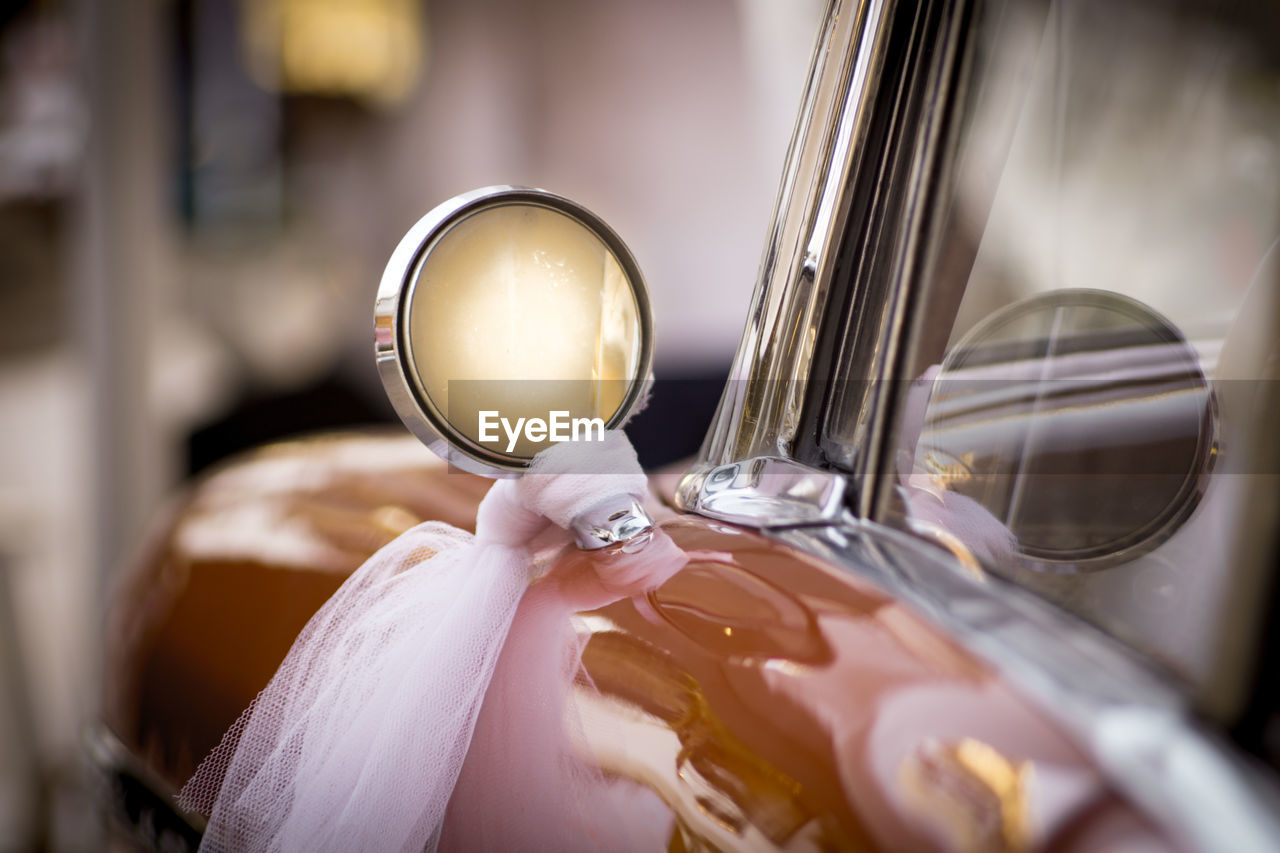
(365, 49)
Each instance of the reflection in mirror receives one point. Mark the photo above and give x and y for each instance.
(1079, 419)
(519, 319)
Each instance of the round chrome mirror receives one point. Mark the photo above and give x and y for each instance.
(509, 318)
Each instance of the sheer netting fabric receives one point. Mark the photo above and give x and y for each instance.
(404, 719)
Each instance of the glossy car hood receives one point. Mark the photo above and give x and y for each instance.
(771, 700)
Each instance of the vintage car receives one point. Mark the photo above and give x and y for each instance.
(986, 522)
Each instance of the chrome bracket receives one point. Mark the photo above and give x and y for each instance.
(768, 491)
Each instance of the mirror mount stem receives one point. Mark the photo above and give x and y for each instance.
(620, 522)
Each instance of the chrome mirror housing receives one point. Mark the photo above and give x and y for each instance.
(508, 318)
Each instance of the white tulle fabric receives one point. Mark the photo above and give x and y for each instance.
(362, 736)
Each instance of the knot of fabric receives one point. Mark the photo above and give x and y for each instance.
(503, 519)
(567, 480)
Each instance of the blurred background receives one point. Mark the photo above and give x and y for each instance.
(197, 198)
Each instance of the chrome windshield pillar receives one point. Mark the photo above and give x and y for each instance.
(759, 411)
(865, 144)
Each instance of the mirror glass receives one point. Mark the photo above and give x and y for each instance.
(1080, 420)
(523, 321)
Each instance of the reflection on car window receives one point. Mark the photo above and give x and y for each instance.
(1085, 422)
(1078, 420)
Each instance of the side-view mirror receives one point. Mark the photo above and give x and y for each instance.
(509, 318)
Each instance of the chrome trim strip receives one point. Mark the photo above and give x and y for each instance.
(1136, 725)
(891, 248)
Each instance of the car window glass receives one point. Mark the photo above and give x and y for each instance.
(1093, 417)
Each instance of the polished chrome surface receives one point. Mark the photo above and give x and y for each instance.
(766, 492)
(391, 347)
(893, 252)
(869, 135)
(622, 522)
(1137, 726)
(759, 411)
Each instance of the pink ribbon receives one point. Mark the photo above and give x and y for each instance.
(363, 740)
